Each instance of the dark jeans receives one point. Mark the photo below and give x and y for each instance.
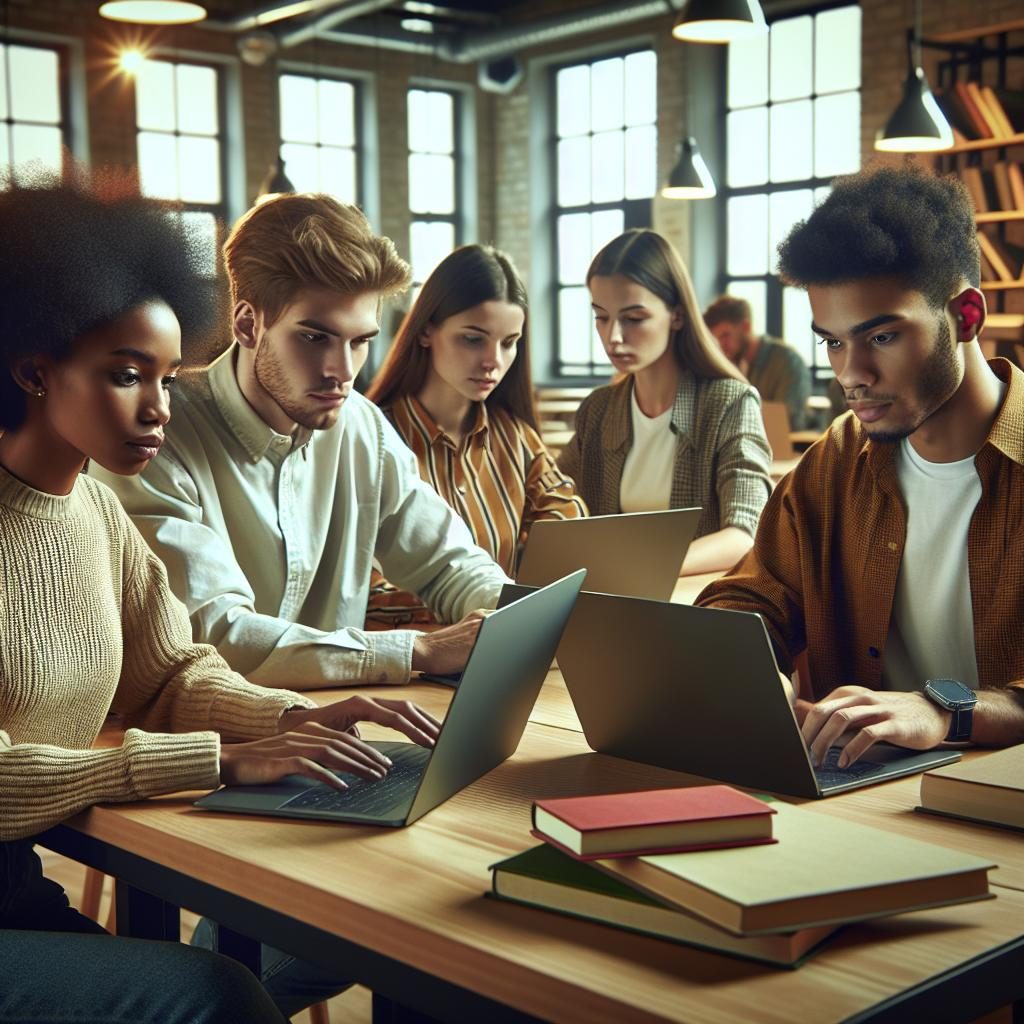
(58, 966)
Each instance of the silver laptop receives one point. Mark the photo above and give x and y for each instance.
(638, 554)
(697, 690)
(485, 721)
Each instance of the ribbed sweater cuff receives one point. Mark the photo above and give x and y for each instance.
(160, 763)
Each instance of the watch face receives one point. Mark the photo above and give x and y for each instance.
(952, 692)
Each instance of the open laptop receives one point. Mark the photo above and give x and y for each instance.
(485, 721)
(697, 690)
(638, 554)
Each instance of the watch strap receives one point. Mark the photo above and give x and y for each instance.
(960, 725)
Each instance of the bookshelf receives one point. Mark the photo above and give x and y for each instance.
(981, 82)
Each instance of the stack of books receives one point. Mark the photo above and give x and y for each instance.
(773, 899)
(988, 789)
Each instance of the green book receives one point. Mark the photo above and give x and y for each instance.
(545, 878)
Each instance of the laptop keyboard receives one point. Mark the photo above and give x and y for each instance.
(366, 796)
(830, 774)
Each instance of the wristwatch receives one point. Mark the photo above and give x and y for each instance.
(952, 695)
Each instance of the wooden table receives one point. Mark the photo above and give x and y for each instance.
(404, 912)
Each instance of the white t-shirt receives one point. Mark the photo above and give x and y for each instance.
(646, 484)
(931, 635)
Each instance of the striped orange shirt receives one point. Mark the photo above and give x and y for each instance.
(822, 572)
(500, 480)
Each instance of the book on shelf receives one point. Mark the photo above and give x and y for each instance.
(823, 870)
(653, 821)
(1001, 180)
(1006, 259)
(992, 122)
(952, 107)
(996, 111)
(547, 879)
(978, 123)
(988, 789)
(1016, 176)
(979, 184)
(1010, 104)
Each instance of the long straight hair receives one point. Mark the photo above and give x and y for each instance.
(465, 278)
(644, 256)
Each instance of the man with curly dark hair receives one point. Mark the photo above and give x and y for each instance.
(893, 553)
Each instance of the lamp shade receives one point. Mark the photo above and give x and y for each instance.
(719, 21)
(917, 125)
(275, 181)
(153, 12)
(690, 178)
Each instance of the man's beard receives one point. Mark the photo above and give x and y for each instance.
(938, 380)
(272, 377)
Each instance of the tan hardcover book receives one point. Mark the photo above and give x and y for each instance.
(823, 870)
(980, 123)
(1016, 176)
(989, 788)
(545, 878)
(995, 108)
(1001, 177)
(994, 257)
(975, 183)
(974, 91)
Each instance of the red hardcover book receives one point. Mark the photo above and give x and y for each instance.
(653, 821)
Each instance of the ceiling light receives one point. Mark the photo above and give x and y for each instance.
(424, 25)
(917, 125)
(690, 178)
(719, 21)
(132, 60)
(153, 12)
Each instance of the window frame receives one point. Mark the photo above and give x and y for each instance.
(820, 369)
(636, 213)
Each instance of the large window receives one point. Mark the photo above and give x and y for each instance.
(606, 172)
(179, 116)
(433, 178)
(31, 110)
(793, 124)
(319, 135)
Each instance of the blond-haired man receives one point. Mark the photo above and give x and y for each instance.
(277, 484)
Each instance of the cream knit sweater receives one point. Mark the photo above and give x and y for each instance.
(88, 625)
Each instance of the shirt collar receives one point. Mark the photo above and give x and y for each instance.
(414, 409)
(255, 436)
(1006, 434)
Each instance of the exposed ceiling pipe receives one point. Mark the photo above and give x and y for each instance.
(347, 12)
(269, 15)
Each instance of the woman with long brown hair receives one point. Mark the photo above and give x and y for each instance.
(456, 385)
(681, 427)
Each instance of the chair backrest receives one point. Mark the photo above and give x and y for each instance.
(776, 426)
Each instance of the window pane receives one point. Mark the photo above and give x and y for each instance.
(336, 113)
(609, 167)
(418, 115)
(37, 145)
(604, 226)
(338, 172)
(796, 325)
(748, 71)
(837, 46)
(430, 241)
(821, 194)
(154, 96)
(784, 210)
(158, 165)
(302, 165)
(5, 157)
(791, 58)
(575, 325)
(431, 183)
(641, 162)
(641, 88)
(573, 171)
(748, 235)
(836, 134)
(790, 158)
(756, 293)
(3, 81)
(442, 122)
(606, 94)
(197, 99)
(573, 90)
(574, 248)
(35, 95)
(747, 147)
(199, 169)
(202, 227)
(298, 109)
